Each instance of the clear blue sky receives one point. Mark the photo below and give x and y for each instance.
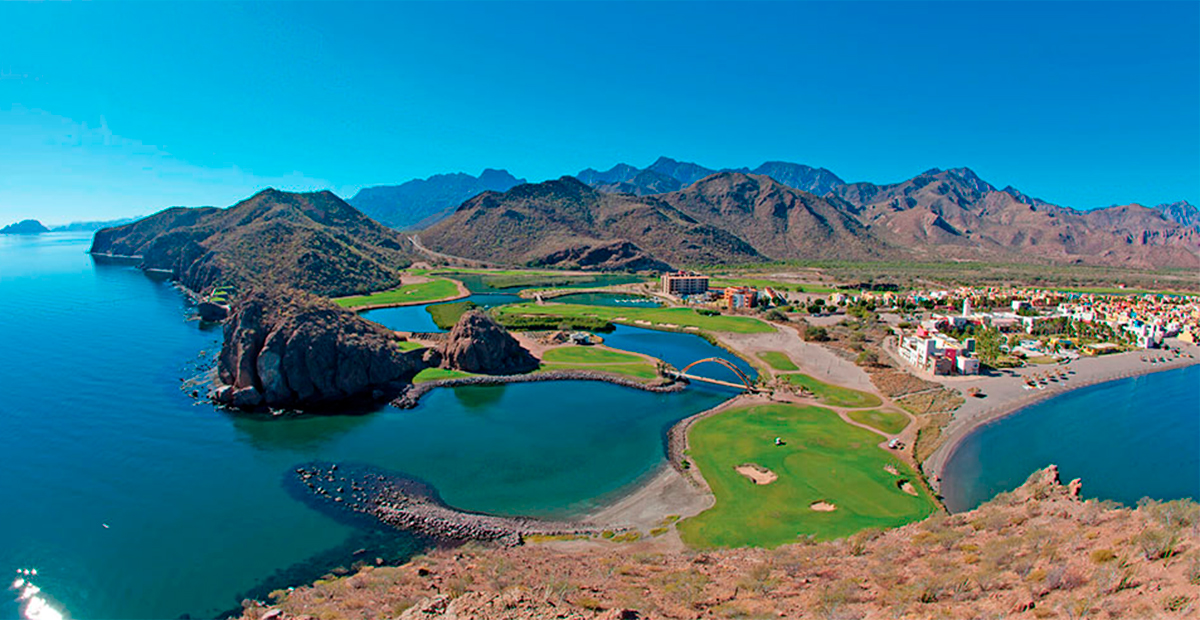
(108, 110)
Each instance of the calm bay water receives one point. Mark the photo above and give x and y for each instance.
(1127, 439)
(133, 500)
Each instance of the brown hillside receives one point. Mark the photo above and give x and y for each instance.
(955, 213)
(314, 242)
(781, 222)
(558, 221)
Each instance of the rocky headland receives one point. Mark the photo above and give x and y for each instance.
(288, 349)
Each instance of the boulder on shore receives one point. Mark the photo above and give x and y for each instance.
(288, 349)
(479, 344)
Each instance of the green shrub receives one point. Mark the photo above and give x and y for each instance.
(816, 333)
(446, 315)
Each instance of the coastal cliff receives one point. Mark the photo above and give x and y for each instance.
(312, 242)
(287, 349)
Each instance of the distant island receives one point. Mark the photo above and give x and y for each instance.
(34, 227)
(24, 227)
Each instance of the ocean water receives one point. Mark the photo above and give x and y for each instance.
(1126, 439)
(131, 499)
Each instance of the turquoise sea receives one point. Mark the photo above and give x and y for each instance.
(1126, 439)
(131, 499)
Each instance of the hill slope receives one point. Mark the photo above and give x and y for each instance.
(954, 213)
(314, 242)
(1037, 552)
(779, 221)
(421, 202)
(567, 223)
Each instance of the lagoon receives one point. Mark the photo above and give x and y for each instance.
(132, 499)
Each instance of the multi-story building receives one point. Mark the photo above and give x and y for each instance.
(939, 353)
(739, 297)
(683, 283)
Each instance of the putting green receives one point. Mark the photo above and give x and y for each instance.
(823, 459)
(833, 395)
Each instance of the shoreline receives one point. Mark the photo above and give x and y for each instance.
(1101, 370)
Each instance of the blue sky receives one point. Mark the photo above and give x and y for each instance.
(109, 110)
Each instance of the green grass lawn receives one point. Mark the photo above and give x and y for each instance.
(833, 395)
(408, 345)
(888, 421)
(778, 285)
(777, 360)
(600, 360)
(642, 371)
(824, 459)
(573, 354)
(433, 374)
(682, 317)
(407, 294)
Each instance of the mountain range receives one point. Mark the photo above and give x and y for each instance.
(313, 242)
(420, 202)
(681, 213)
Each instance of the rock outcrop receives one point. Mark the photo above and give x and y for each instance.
(479, 344)
(293, 350)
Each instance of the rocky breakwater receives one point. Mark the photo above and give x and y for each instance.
(413, 505)
(289, 349)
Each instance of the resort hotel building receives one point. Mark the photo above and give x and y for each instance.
(683, 283)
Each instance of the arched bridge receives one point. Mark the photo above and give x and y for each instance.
(746, 382)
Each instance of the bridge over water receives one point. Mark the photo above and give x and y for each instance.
(747, 383)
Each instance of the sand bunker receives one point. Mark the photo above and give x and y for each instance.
(822, 507)
(907, 487)
(891, 470)
(757, 473)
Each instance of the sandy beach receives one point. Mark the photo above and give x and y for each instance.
(1006, 394)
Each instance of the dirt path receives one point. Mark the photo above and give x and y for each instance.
(813, 359)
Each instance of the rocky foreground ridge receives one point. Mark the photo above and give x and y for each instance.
(1038, 552)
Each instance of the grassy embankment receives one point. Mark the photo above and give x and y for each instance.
(778, 360)
(408, 345)
(778, 285)
(886, 421)
(601, 360)
(407, 294)
(655, 317)
(823, 460)
(446, 315)
(434, 374)
(834, 395)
